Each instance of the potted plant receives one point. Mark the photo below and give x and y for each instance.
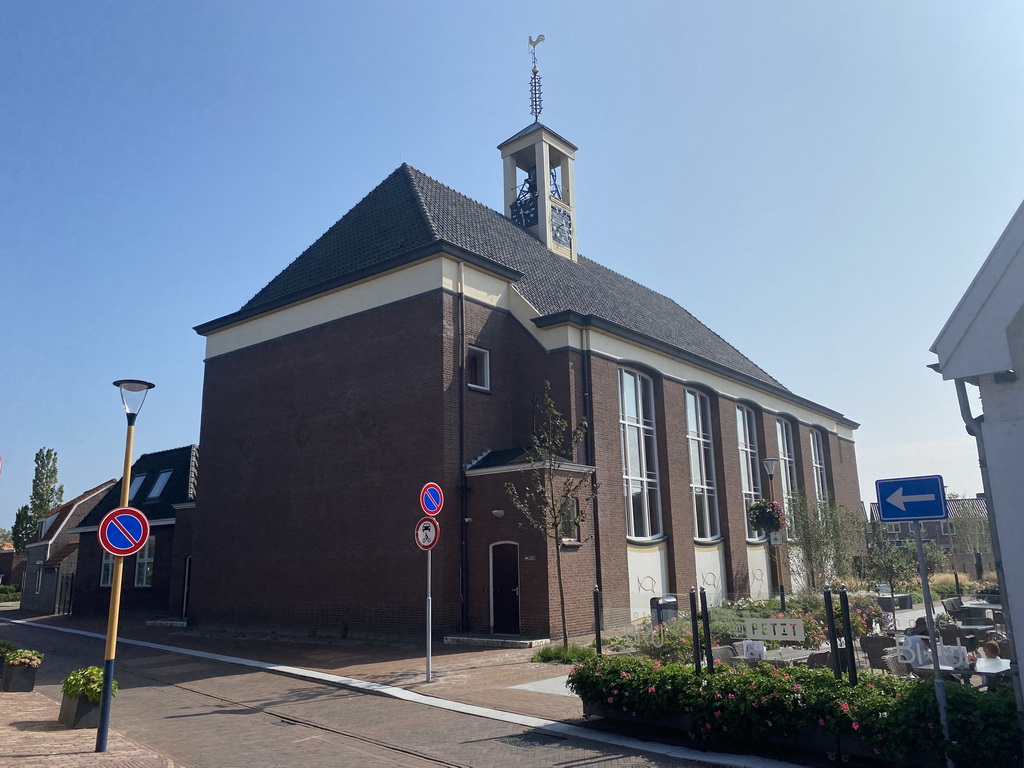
(83, 689)
(766, 516)
(20, 670)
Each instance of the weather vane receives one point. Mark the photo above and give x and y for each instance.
(535, 103)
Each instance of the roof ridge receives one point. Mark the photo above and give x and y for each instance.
(421, 203)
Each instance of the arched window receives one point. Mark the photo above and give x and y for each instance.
(818, 465)
(639, 455)
(787, 470)
(750, 463)
(702, 464)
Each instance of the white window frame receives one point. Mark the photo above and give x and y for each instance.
(703, 490)
(144, 562)
(821, 489)
(894, 528)
(137, 482)
(750, 464)
(787, 470)
(572, 535)
(947, 528)
(39, 576)
(107, 570)
(160, 484)
(483, 368)
(638, 437)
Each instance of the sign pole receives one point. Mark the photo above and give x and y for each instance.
(940, 687)
(428, 616)
(115, 603)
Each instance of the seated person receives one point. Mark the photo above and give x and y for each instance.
(920, 627)
(989, 650)
(916, 650)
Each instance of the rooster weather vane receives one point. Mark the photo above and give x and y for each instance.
(535, 101)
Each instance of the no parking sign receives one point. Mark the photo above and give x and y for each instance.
(123, 531)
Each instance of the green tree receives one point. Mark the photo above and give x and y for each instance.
(821, 538)
(887, 563)
(554, 500)
(47, 493)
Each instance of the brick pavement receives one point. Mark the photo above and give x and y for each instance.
(32, 737)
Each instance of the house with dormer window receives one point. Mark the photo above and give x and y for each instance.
(163, 487)
(410, 343)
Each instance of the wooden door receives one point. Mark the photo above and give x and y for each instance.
(505, 588)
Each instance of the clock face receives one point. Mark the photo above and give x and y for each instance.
(561, 227)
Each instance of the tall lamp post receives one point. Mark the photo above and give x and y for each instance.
(770, 465)
(133, 395)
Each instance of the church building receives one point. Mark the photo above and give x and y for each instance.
(411, 344)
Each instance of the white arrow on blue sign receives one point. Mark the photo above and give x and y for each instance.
(911, 498)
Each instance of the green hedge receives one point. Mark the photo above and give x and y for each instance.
(894, 717)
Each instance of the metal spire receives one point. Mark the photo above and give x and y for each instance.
(535, 101)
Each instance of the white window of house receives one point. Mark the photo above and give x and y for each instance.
(144, 564)
(134, 487)
(478, 368)
(107, 570)
(948, 529)
(818, 465)
(896, 528)
(39, 576)
(750, 463)
(787, 470)
(702, 464)
(639, 455)
(158, 486)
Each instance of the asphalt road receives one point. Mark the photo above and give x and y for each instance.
(206, 714)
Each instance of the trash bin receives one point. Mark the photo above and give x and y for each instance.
(663, 608)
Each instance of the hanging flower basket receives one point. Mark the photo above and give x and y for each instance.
(766, 516)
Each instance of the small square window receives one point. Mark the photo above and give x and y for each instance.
(948, 529)
(478, 368)
(896, 528)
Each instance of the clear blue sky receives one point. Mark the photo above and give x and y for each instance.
(817, 181)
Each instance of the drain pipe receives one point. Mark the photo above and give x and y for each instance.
(464, 490)
(973, 425)
(588, 412)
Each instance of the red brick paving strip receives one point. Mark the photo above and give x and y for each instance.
(31, 736)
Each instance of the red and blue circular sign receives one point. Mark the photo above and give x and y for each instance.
(431, 498)
(123, 531)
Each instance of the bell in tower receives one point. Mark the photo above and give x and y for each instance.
(538, 179)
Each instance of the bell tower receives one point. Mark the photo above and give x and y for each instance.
(538, 177)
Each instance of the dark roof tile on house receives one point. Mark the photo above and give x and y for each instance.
(409, 210)
(70, 512)
(61, 555)
(959, 509)
(180, 487)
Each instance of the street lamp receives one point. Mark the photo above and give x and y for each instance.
(770, 465)
(133, 395)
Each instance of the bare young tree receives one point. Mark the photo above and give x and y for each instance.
(557, 493)
(822, 537)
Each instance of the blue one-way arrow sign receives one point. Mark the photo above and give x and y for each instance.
(911, 498)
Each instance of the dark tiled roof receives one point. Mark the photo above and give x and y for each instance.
(71, 512)
(959, 509)
(61, 554)
(180, 488)
(409, 210)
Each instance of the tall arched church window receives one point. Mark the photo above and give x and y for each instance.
(702, 465)
(639, 455)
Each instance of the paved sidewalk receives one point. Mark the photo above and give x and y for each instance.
(505, 680)
(32, 737)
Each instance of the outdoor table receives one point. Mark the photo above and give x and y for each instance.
(982, 609)
(984, 666)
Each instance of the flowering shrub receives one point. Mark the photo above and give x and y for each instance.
(987, 589)
(894, 717)
(766, 515)
(814, 629)
(23, 658)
